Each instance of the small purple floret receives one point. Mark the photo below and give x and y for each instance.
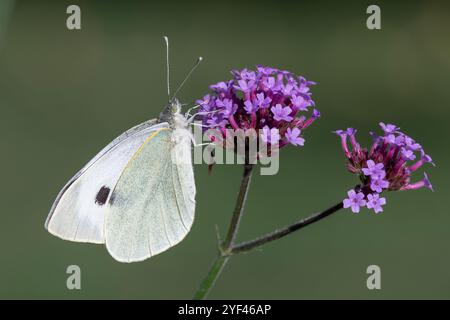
(293, 136)
(354, 201)
(375, 202)
(281, 113)
(377, 184)
(374, 170)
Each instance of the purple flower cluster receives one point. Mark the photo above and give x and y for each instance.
(385, 166)
(271, 101)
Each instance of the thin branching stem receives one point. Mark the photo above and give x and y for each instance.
(280, 233)
(239, 208)
(225, 247)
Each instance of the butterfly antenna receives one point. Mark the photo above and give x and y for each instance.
(199, 60)
(167, 66)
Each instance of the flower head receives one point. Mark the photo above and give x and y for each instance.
(263, 100)
(386, 165)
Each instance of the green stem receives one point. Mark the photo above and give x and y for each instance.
(226, 247)
(280, 233)
(239, 208)
(211, 277)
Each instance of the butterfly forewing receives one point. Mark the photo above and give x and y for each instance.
(79, 210)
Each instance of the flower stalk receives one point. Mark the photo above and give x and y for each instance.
(210, 279)
(280, 233)
(225, 247)
(239, 209)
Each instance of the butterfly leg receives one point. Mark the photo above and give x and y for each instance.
(189, 120)
(188, 113)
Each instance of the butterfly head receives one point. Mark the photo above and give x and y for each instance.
(170, 110)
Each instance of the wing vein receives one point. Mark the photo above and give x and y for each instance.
(177, 200)
(163, 213)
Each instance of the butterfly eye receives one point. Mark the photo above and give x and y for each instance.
(176, 107)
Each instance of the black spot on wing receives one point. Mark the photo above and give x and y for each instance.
(102, 195)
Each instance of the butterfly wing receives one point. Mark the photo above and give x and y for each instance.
(152, 205)
(78, 213)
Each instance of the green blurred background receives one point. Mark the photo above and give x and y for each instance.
(65, 94)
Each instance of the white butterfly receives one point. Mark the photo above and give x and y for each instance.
(137, 195)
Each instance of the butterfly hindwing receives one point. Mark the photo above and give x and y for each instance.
(152, 205)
